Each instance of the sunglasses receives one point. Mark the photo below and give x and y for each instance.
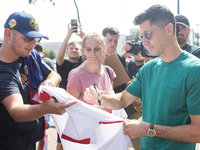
(28, 39)
(147, 34)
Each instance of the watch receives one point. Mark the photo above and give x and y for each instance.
(151, 131)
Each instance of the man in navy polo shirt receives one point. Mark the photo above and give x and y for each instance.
(21, 73)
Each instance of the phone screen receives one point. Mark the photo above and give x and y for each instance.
(74, 23)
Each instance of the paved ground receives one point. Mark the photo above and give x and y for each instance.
(52, 138)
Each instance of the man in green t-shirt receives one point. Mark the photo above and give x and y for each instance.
(168, 85)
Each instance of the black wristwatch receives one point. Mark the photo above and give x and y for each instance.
(151, 131)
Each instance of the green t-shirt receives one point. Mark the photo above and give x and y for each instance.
(170, 93)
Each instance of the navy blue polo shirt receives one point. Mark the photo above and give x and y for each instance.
(13, 80)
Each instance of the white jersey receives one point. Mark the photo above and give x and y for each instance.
(84, 127)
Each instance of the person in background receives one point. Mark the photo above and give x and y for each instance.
(168, 85)
(135, 62)
(40, 48)
(111, 35)
(21, 74)
(182, 34)
(64, 66)
(73, 51)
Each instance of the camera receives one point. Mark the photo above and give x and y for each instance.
(138, 46)
(135, 48)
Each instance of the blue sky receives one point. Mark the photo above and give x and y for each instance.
(94, 14)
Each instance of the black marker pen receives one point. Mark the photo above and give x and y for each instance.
(98, 98)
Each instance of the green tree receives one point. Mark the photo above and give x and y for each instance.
(46, 54)
(136, 38)
(52, 54)
(34, 1)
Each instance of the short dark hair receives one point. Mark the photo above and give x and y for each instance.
(74, 43)
(111, 29)
(39, 47)
(157, 15)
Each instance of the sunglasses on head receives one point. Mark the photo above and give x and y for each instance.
(28, 39)
(147, 34)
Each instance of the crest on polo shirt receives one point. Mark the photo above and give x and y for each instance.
(34, 24)
(12, 23)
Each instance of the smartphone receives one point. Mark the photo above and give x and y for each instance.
(74, 24)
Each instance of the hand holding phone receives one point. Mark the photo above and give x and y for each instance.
(74, 24)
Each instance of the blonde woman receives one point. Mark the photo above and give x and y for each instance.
(92, 71)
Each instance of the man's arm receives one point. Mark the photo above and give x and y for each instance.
(116, 101)
(53, 79)
(21, 112)
(63, 47)
(186, 133)
(183, 133)
(126, 48)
